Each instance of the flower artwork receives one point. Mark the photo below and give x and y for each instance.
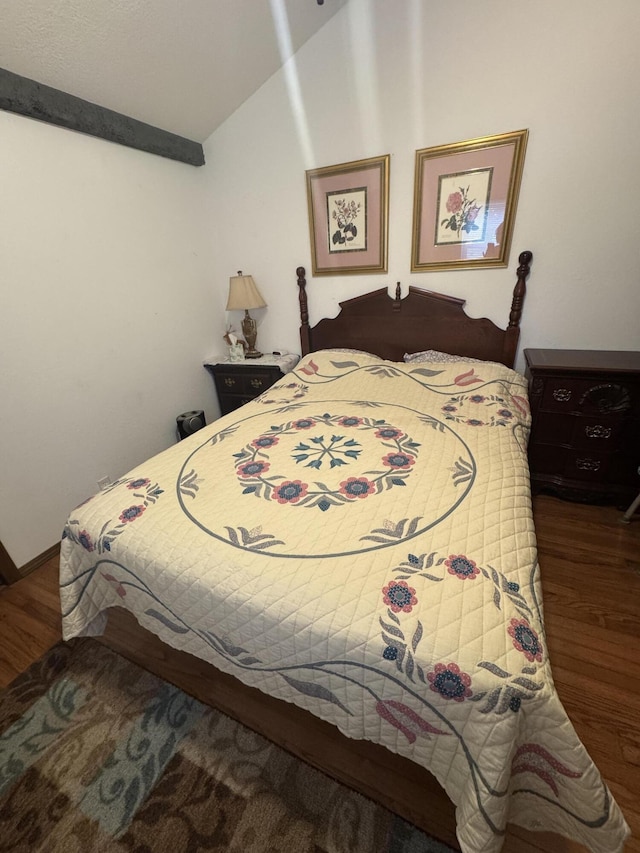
(348, 220)
(464, 203)
(348, 216)
(462, 207)
(464, 212)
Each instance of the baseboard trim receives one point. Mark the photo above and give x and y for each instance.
(10, 573)
(40, 560)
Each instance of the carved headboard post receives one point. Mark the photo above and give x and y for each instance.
(520, 289)
(512, 333)
(304, 311)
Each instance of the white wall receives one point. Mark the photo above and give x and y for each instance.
(106, 315)
(392, 77)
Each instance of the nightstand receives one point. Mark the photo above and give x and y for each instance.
(585, 432)
(238, 382)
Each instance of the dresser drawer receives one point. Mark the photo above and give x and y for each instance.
(568, 464)
(588, 433)
(582, 465)
(590, 396)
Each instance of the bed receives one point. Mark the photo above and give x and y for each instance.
(357, 544)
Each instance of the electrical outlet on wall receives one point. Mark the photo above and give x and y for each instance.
(104, 482)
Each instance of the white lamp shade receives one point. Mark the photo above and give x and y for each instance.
(244, 293)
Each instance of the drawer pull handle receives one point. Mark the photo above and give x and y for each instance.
(588, 464)
(562, 395)
(229, 382)
(597, 431)
(256, 383)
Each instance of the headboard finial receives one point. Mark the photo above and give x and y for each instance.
(397, 301)
(304, 309)
(520, 289)
(302, 296)
(525, 259)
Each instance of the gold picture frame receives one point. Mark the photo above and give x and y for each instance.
(348, 208)
(465, 200)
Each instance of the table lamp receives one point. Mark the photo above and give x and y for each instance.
(243, 295)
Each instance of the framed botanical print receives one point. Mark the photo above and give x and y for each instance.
(464, 204)
(349, 217)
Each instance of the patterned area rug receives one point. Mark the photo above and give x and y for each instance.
(96, 754)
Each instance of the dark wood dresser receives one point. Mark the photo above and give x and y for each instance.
(585, 433)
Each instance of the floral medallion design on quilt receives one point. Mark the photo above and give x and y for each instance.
(321, 467)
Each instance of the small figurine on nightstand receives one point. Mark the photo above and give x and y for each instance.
(236, 345)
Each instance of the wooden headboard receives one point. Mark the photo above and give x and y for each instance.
(388, 327)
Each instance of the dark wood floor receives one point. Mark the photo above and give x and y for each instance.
(590, 565)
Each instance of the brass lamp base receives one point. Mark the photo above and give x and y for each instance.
(250, 332)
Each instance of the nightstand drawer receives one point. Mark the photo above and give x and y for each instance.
(250, 383)
(229, 383)
(259, 381)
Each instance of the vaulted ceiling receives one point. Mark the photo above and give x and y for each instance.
(181, 65)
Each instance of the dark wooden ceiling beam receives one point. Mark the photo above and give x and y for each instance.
(35, 100)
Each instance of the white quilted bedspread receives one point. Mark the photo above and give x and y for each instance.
(359, 541)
